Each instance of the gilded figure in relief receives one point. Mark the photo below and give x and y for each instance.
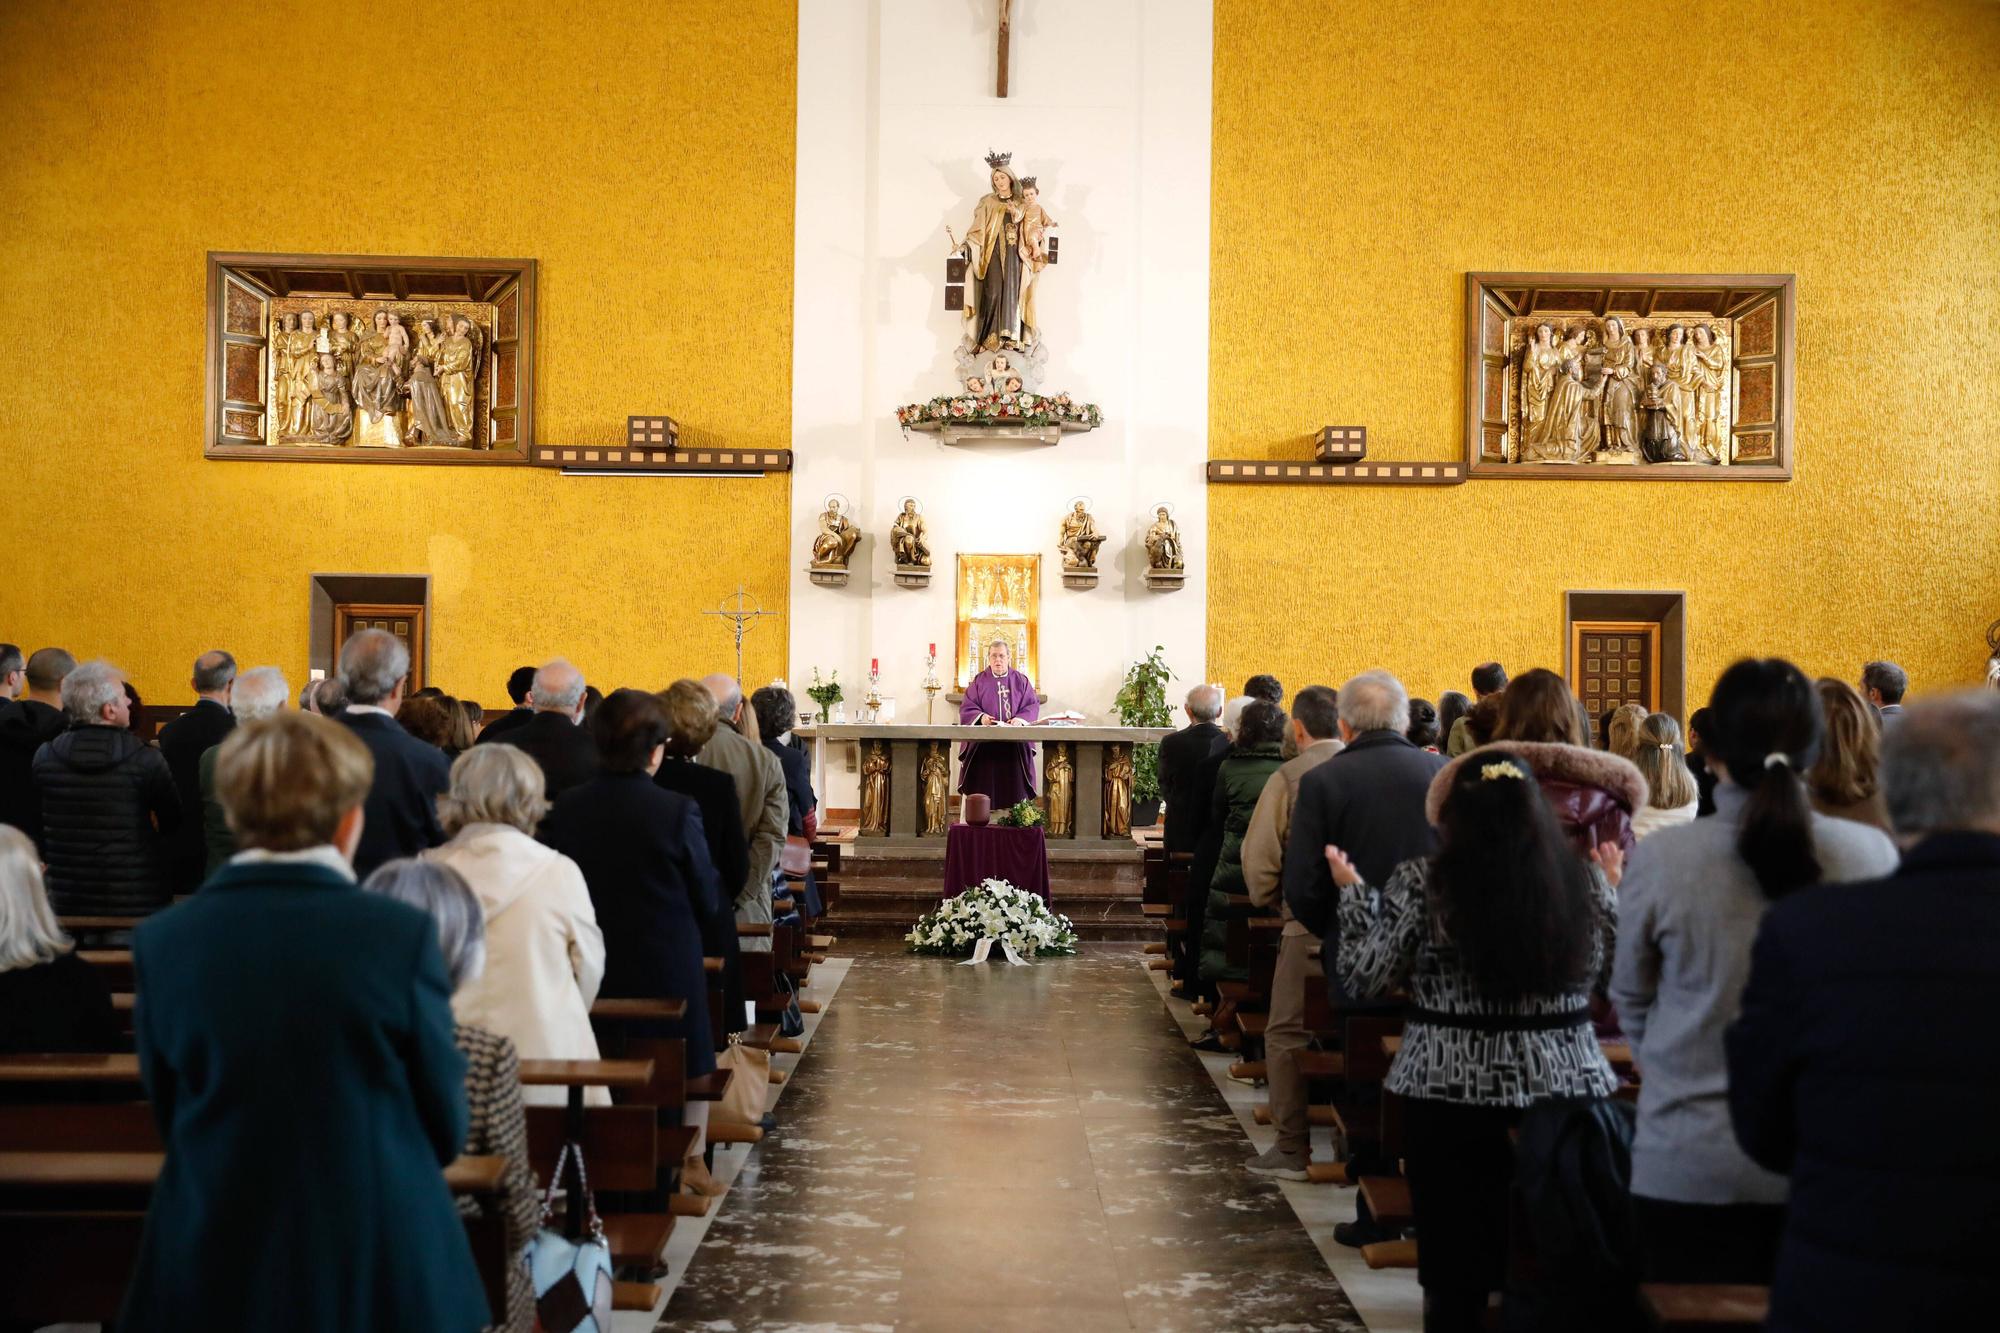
(330, 413)
(430, 421)
(1711, 394)
(282, 331)
(1659, 440)
(1678, 358)
(1539, 363)
(340, 340)
(457, 364)
(1080, 539)
(837, 538)
(1163, 542)
(936, 776)
(907, 537)
(305, 371)
(1061, 791)
(1560, 437)
(1117, 792)
(1620, 388)
(875, 790)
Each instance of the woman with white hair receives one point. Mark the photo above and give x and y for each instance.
(545, 953)
(50, 1000)
(258, 692)
(499, 1123)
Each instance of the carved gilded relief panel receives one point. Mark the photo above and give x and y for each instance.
(1629, 375)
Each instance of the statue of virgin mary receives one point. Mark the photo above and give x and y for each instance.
(995, 269)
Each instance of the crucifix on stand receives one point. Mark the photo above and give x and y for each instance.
(742, 618)
(1006, 24)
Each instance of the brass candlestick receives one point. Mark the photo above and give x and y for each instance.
(931, 686)
(873, 701)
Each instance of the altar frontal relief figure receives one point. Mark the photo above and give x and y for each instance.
(935, 773)
(837, 537)
(906, 537)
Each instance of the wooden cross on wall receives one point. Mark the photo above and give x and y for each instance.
(1006, 16)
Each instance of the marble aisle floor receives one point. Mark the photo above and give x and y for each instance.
(1002, 1148)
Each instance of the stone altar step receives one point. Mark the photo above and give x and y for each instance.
(874, 906)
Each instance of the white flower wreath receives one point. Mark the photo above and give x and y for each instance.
(993, 910)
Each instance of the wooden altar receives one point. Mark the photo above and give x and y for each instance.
(895, 756)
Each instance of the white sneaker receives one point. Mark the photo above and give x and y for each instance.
(1279, 1163)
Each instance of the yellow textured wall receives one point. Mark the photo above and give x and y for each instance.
(1368, 156)
(641, 151)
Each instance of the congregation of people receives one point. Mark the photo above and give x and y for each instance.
(1789, 911)
(299, 1039)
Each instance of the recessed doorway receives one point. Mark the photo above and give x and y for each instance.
(344, 604)
(1626, 647)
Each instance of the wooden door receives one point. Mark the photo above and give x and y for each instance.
(1614, 662)
(405, 621)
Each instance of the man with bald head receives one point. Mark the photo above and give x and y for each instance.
(183, 741)
(555, 736)
(760, 795)
(1182, 753)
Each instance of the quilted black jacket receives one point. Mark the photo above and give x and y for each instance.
(108, 811)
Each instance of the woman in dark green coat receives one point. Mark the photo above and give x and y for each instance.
(1253, 758)
(295, 1036)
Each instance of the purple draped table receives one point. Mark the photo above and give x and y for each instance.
(974, 853)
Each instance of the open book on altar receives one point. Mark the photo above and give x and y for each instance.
(1068, 718)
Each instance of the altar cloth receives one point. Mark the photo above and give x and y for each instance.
(976, 853)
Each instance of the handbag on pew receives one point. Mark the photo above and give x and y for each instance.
(792, 1022)
(796, 860)
(571, 1275)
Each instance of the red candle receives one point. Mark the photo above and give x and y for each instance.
(933, 650)
(875, 664)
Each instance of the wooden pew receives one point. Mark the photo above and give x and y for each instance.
(70, 1226)
(624, 1146)
(1677, 1308)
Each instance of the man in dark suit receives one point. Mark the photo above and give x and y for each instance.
(26, 724)
(1367, 800)
(1862, 1061)
(1884, 684)
(183, 741)
(519, 686)
(400, 816)
(1180, 754)
(554, 735)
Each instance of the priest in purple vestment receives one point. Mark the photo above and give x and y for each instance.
(998, 697)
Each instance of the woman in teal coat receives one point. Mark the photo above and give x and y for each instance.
(295, 1036)
(1253, 758)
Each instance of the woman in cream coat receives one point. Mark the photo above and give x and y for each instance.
(544, 951)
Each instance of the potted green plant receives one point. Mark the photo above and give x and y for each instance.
(825, 693)
(1142, 702)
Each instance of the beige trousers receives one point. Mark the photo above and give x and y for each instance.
(1285, 1037)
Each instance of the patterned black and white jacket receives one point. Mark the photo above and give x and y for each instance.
(1457, 1046)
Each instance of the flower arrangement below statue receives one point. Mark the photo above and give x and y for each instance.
(993, 910)
(1001, 409)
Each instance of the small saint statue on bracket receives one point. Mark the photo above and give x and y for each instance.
(831, 548)
(1166, 565)
(1079, 544)
(910, 543)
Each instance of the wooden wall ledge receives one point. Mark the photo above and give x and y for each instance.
(1280, 471)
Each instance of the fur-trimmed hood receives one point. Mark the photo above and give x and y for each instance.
(1619, 779)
